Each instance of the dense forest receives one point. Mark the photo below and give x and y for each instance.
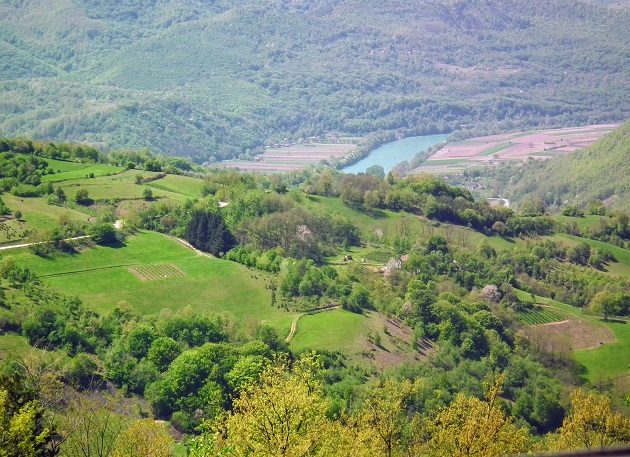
(464, 278)
(215, 80)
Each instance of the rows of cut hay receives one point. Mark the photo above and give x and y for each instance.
(154, 272)
(539, 315)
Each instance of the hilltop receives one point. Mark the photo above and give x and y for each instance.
(216, 80)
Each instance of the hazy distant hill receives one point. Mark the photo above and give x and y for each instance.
(215, 78)
(601, 172)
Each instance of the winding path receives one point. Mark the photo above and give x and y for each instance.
(25, 245)
(307, 313)
(190, 246)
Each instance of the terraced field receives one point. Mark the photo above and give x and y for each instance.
(540, 315)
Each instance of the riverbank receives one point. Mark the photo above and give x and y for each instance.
(392, 153)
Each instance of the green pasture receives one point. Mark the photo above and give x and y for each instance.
(121, 186)
(384, 224)
(336, 330)
(610, 361)
(81, 171)
(372, 254)
(38, 214)
(621, 267)
(583, 223)
(100, 276)
(185, 185)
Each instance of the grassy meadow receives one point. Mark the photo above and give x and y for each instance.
(380, 225)
(620, 267)
(101, 277)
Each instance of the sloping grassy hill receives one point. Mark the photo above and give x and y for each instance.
(601, 171)
(134, 272)
(216, 78)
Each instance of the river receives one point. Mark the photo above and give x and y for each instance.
(391, 154)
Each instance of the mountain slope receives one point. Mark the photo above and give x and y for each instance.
(216, 78)
(600, 172)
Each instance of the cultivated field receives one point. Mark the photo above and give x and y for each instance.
(601, 347)
(519, 146)
(291, 158)
(539, 315)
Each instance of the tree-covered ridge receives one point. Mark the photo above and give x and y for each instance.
(222, 78)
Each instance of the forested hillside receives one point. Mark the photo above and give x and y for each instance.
(215, 79)
(599, 172)
(150, 306)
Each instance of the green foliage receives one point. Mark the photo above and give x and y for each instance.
(208, 232)
(4, 210)
(163, 351)
(82, 372)
(572, 211)
(123, 90)
(26, 429)
(104, 234)
(147, 194)
(82, 197)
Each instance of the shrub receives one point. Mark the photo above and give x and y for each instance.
(82, 197)
(103, 233)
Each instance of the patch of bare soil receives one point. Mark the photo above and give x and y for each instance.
(395, 347)
(568, 335)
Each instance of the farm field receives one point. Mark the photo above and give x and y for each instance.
(101, 277)
(601, 347)
(539, 315)
(185, 185)
(66, 171)
(291, 158)
(538, 144)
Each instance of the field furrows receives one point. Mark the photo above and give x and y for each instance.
(156, 271)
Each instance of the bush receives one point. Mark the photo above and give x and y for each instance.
(103, 234)
(82, 371)
(82, 197)
(26, 190)
(4, 209)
